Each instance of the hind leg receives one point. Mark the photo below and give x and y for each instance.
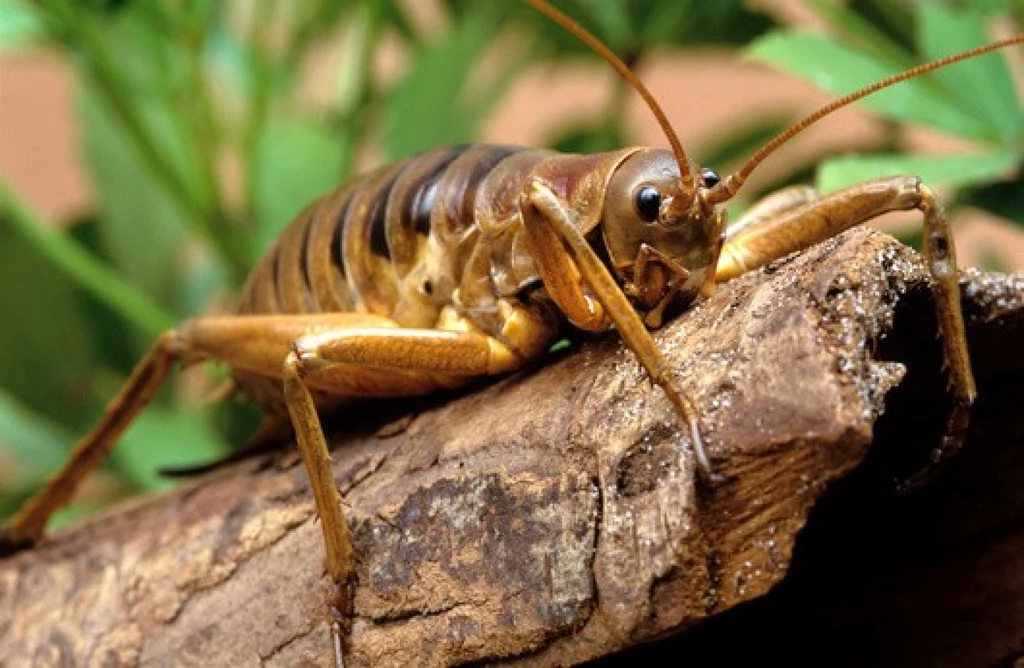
(27, 527)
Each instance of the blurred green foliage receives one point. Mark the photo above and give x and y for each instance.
(202, 140)
(977, 100)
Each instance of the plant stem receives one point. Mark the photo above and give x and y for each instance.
(355, 81)
(200, 213)
(204, 130)
(83, 268)
(259, 99)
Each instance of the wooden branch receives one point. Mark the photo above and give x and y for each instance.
(553, 517)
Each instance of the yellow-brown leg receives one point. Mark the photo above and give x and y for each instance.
(27, 527)
(254, 343)
(312, 444)
(772, 206)
(678, 274)
(342, 353)
(567, 263)
(797, 227)
(406, 351)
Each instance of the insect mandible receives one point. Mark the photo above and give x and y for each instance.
(465, 262)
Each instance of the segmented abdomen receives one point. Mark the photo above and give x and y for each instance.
(394, 242)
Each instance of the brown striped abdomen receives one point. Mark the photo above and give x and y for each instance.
(393, 242)
(442, 229)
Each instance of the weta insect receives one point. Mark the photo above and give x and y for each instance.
(465, 262)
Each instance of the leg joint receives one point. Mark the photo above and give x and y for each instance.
(294, 365)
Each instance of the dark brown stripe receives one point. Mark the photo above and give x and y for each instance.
(370, 272)
(280, 280)
(455, 199)
(272, 299)
(378, 236)
(338, 236)
(377, 220)
(304, 253)
(325, 277)
(420, 205)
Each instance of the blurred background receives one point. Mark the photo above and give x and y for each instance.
(151, 150)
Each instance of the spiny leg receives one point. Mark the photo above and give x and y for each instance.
(309, 437)
(801, 225)
(28, 525)
(351, 354)
(328, 360)
(567, 263)
(940, 254)
(346, 354)
(257, 344)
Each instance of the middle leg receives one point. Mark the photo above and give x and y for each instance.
(345, 354)
(444, 356)
(803, 223)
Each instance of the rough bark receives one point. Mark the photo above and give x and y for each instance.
(554, 517)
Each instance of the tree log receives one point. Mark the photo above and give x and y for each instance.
(555, 517)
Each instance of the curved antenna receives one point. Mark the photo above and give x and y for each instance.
(731, 184)
(581, 33)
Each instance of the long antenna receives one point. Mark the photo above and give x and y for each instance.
(731, 184)
(581, 33)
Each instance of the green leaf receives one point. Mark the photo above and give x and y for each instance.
(229, 62)
(45, 352)
(613, 21)
(632, 28)
(982, 86)
(65, 255)
(1003, 199)
(299, 160)
(686, 24)
(433, 104)
(393, 15)
(163, 438)
(840, 70)
(20, 26)
(935, 170)
(33, 445)
(880, 28)
(141, 228)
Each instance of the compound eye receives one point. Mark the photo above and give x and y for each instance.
(709, 178)
(648, 203)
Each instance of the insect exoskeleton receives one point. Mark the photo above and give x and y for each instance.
(464, 262)
(438, 241)
(659, 238)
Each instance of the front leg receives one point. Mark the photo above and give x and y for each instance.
(803, 223)
(567, 265)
